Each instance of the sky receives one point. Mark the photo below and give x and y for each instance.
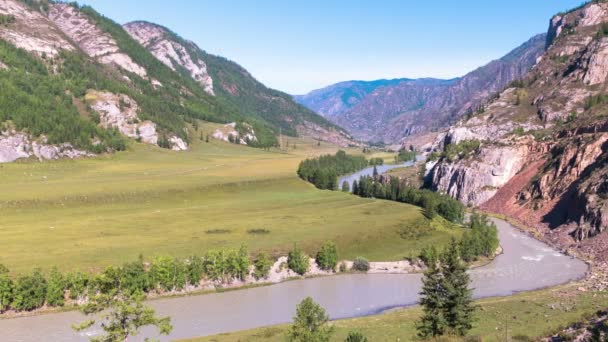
(298, 46)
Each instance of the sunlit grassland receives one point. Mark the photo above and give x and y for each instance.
(522, 317)
(91, 213)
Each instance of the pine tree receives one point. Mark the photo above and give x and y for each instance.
(458, 305)
(310, 323)
(345, 186)
(375, 171)
(433, 322)
(355, 188)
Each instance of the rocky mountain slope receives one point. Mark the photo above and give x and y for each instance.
(538, 152)
(75, 82)
(394, 111)
(340, 97)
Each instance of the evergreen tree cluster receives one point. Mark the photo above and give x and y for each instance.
(446, 298)
(323, 172)
(480, 240)
(405, 156)
(394, 189)
(162, 274)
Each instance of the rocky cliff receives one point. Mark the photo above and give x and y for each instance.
(542, 145)
(392, 111)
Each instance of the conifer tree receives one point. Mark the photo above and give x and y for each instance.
(433, 322)
(458, 305)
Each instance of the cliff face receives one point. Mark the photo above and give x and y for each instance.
(391, 111)
(547, 139)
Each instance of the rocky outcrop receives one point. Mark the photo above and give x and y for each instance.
(91, 39)
(229, 133)
(475, 180)
(595, 63)
(120, 111)
(173, 54)
(31, 30)
(15, 145)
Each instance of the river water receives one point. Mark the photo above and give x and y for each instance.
(526, 264)
(370, 171)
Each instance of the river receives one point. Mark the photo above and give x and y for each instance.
(526, 264)
(370, 171)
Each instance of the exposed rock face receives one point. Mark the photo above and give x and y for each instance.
(229, 133)
(31, 31)
(475, 181)
(157, 40)
(177, 143)
(408, 107)
(15, 145)
(92, 40)
(549, 141)
(120, 111)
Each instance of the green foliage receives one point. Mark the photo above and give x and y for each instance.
(327, 257)
(262, 266)
(429, 255)
(134, 278)
(376, 161)
(195, 269)
(6, 19)
(446, 298)
(595, 100)
(30, 292)
(603, 31)
(361, 264)
(310, 323)
(480, 240)
(345, 186)
(122, 317)
(297, 261)
(167, 273)
(355, 336)
(77, 284)
(37, 102)
(405, 156)
(396, 190)
(56, 288)
(223, 265)
(323, 172)
(6, 289)
(461, 150)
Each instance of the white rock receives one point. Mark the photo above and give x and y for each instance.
(16, 145)
(92, 40)
(177, 144)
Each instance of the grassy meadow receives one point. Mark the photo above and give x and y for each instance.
(526, 316)
(87, 214)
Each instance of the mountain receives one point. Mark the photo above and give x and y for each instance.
(74, 83)
(390, 112)
(538, 152)
(340, 97)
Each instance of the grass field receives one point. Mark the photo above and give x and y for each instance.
(90, 213)
(522, 317)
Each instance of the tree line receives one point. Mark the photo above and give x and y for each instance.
(323, 171)
(162, 274)
(394, 189)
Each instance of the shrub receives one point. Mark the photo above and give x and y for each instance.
(56, 288)
(355, 336)
(262, 266)
(361, 264)
(6, 289)
(297, 261)
(77, 284)
(327, 257)
(30, 292)
(195, 270)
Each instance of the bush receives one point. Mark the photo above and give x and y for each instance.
(297, 261)
(355, 336)
(56, 288)
(262, 266)
(77, 284)
(195, 270)
(6, 289)
(30, 292)
(361, 264)
(327, 257)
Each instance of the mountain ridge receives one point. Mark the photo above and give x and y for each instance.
(391, 113)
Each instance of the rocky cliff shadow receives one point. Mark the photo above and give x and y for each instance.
(570, 207)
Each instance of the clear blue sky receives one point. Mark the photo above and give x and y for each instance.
(297, 46)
